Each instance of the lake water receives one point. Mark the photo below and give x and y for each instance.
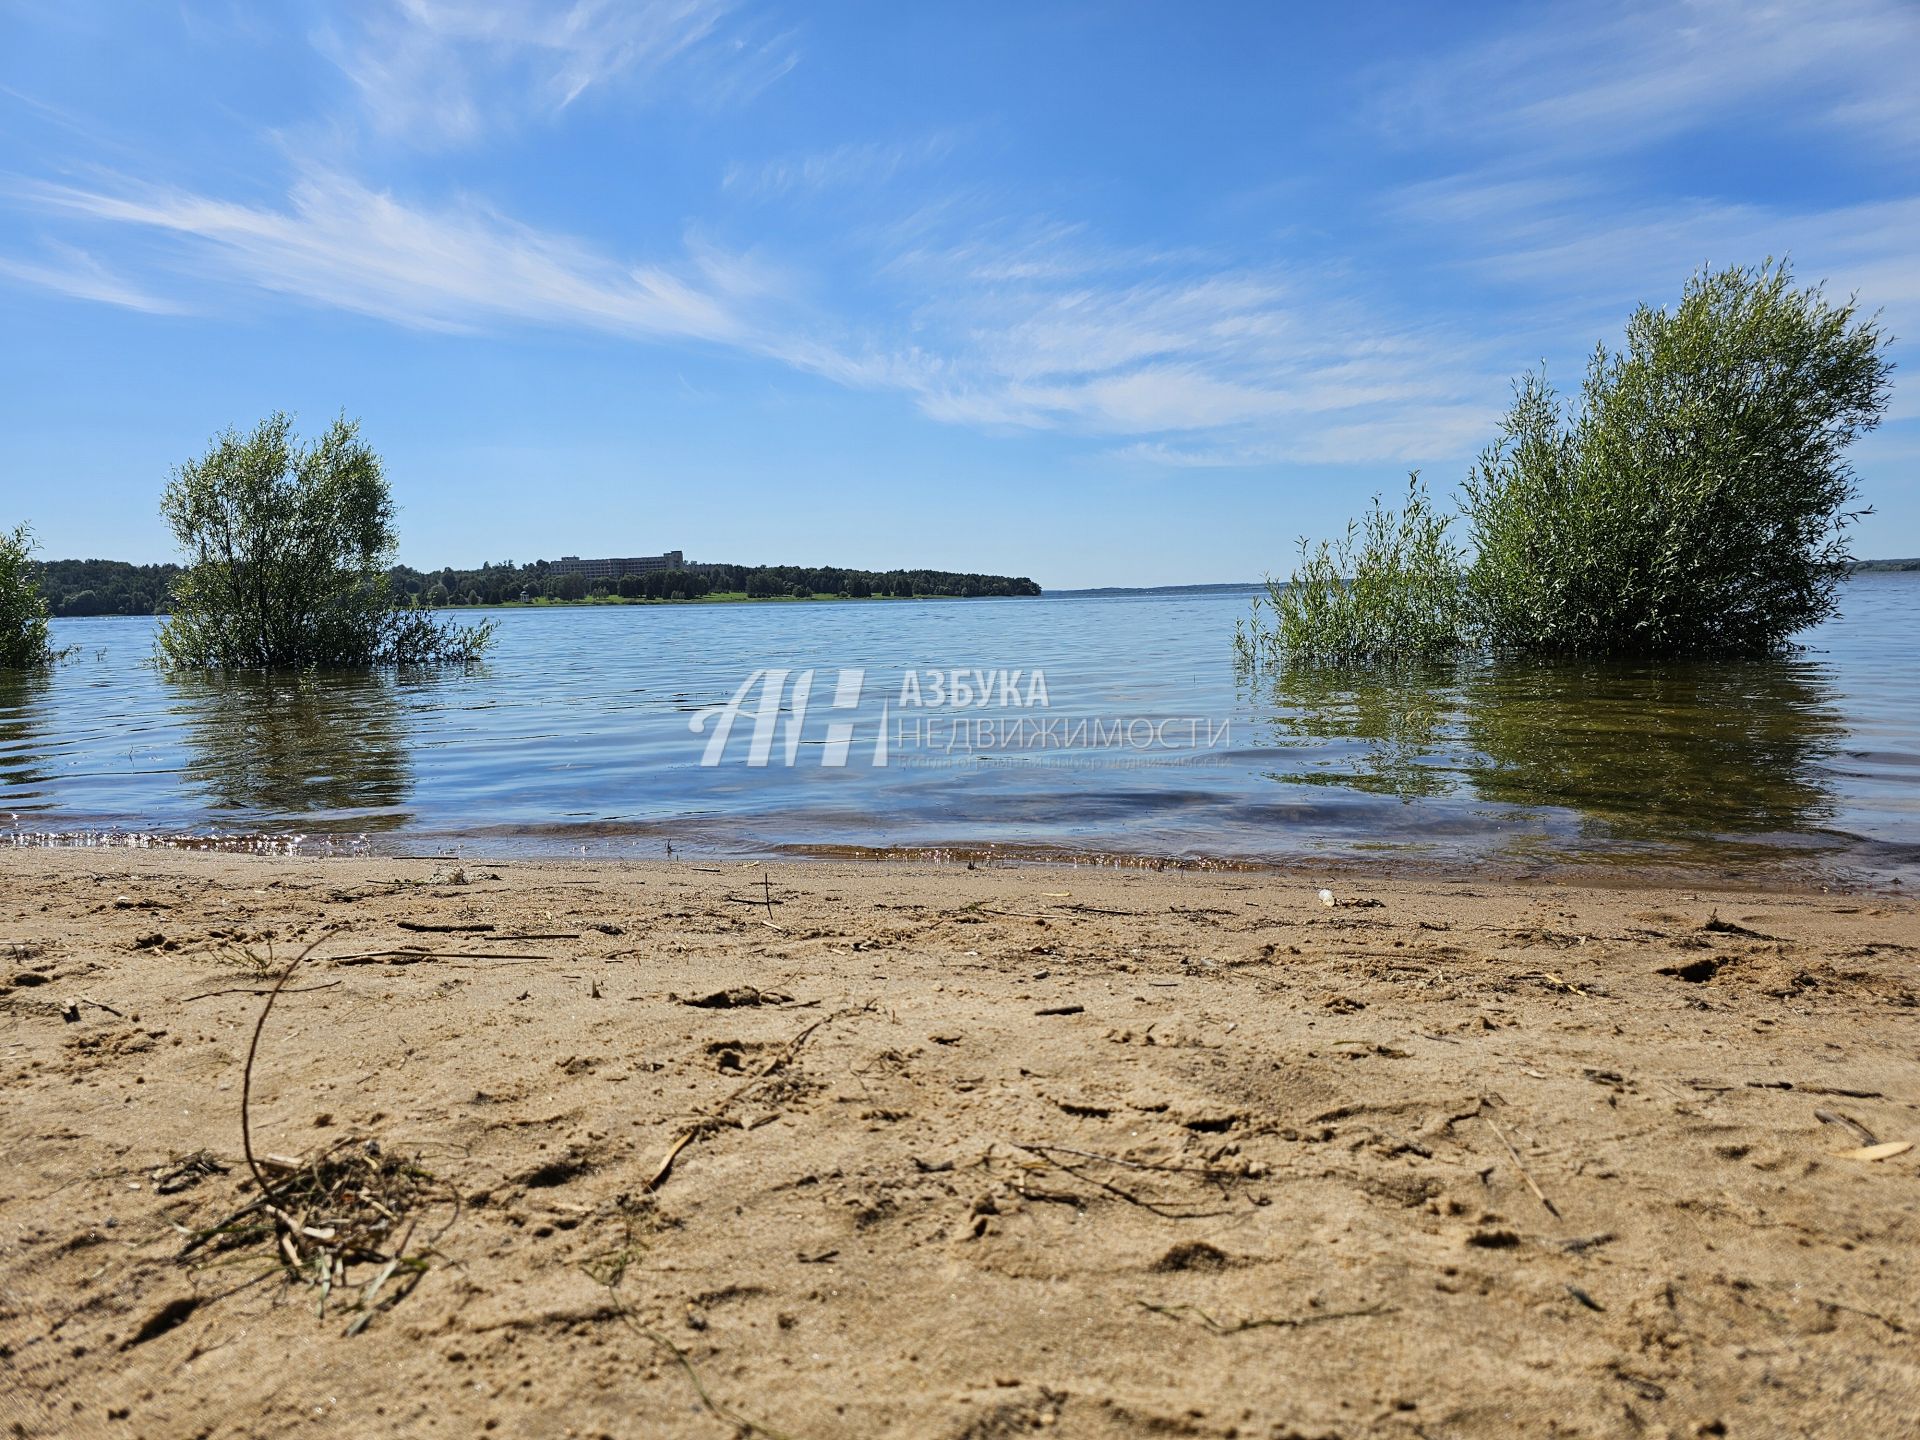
(1139, 740)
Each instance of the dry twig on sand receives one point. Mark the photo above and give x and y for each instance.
(715, 1117)
(1519, 1164)
(1047, 1156)
(1261, 1322)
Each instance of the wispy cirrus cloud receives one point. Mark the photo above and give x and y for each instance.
(1046, 330)
(468, 269)
(1558, 212)
(865, 164)
(985, 310)
(340, 244)
(71, 271)
(440, 72)
(1614, 78)
(1593, 246)
(1040, 326)
(1568, 197)
(1410, 434)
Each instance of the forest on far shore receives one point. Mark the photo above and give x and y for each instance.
(115, 587)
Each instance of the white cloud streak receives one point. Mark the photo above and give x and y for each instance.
(446, 72)
(867, 165)
(1563, 226)
(1176, 358)
(74, 272)
(1043, 332)
(1614, 78)
(340, 244)
(1605, 250)
(1198, 360)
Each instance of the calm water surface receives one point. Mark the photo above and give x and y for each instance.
(576, 732)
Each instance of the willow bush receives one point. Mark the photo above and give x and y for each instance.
(23, 609)
(1695, 499)
(288, 547)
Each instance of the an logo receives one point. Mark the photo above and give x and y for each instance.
(766, 715)
(931, 716)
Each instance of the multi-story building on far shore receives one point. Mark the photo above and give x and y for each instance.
(613, 569)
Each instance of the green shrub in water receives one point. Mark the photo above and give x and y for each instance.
(1694, 500)
(23, 609)
(288, 548)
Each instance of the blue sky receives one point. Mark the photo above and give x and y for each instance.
(1103, 293)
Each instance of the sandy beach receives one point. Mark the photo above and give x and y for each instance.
(874, 1150)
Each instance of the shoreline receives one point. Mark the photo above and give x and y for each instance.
(1839, 864)
(914, 1150)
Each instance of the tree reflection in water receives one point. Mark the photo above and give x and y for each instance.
(1675, 753)
(1715, 748)
(23, 776)
(1386, 730)
(328, 748)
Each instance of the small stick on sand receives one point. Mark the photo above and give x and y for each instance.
(1519, 1164)
(246, 1072)
(255, 990)
(414, 957)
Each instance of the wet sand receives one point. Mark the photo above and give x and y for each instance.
(954, 1152)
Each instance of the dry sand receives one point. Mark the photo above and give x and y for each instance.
(998, 1151)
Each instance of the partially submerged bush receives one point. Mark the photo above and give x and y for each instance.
(1391, 586)
(1694, 501)
(1696, 498)
(288, 548)
(23, 609)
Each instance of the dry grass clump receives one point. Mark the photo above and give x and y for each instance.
(343, 1220)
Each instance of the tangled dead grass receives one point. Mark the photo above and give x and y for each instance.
(342, 1221)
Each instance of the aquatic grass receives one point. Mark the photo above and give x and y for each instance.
(1391, 587)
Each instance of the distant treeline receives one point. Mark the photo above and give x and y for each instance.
(105, 587)
(507, 582)
(113, 587)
